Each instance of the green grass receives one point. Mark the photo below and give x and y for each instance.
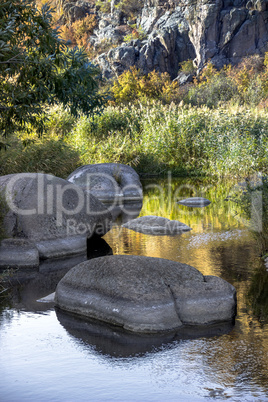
(153, 138)
(157, 138)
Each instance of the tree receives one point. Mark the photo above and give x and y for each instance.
(38, 69)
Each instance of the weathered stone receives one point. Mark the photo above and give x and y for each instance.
(156, 225)
(184, 78)
(145, 294)
(54, 214)
(108, 182)
(63, 247)
(18, 253)
(47, 299)
(195, 202)
(221, 31)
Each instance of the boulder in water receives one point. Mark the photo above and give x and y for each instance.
(145, 294)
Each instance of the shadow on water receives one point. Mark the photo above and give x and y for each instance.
(113, 341)
(26, 286)
(85, 357)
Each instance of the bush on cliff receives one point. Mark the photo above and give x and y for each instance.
(37, 69)
(132, 86)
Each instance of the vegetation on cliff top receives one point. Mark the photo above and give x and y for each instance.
(153, 138)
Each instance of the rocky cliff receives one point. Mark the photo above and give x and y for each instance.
(223, 31)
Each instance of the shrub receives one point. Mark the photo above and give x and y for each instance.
(45, 155)
(66, 33)
(59, 122)
(104, 6)
(43, 70)
(245, 83)
(83, 28)
(212, 90)
(132, 86)
(137, 33)
(130, 8)
(247, 77)
(187, 67)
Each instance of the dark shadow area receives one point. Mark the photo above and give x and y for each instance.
(25, 286)
(257, 296)
(124, 212)
(113, 341)
(97, 247)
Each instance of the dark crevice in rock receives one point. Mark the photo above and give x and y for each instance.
(174, 300)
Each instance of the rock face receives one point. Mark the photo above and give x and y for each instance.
(109, 182)
(53, 215)
(223, 31)
(144, 294)
(74, 10)
(156, 225)
(195, 202)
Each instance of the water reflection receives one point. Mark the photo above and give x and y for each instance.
(43, 360)
(113, 341)
(257, 295)
(26, 286)
(125, 211)
(161, 196)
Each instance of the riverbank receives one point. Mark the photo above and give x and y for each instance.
(153, 138)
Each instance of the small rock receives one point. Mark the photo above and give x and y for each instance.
(47, 299)
(195, 202)
(156, 225)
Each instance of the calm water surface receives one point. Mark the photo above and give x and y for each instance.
(49, 356)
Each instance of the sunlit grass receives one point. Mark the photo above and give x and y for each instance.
(153, 138)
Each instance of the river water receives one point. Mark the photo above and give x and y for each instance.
(49, 356)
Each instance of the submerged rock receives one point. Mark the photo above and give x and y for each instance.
(156, 225)
(109, 182)
(145, 294)
(195, 202)
(53, 215)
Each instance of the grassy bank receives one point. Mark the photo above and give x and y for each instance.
(153, 138)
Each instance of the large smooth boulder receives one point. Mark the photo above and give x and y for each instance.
(56, 216)
(109, 182)
(145, 294)
(156, 225)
